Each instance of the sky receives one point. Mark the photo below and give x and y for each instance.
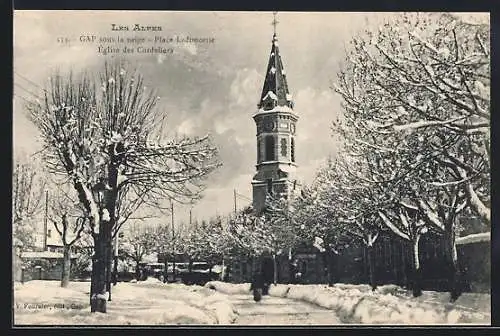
(203, 88)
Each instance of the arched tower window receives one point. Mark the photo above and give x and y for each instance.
(292, 147)
(270, 155)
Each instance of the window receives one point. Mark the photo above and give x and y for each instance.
(284, 148)
(49, 233)
(269, 186)
(293, 150)
(270, 156)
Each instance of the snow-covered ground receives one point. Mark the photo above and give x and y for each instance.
(142, 303)
(152, 302)
(389, 304)
(272, 310)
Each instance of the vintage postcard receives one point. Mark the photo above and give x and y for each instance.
(251, 168)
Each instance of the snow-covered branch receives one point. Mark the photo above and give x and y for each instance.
(474, 238)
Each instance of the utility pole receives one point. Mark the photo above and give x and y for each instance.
(173, 239)
(45, 220)
(234, 193)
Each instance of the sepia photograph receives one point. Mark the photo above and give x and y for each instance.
(230, 168)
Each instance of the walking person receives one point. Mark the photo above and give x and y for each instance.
(257, 286)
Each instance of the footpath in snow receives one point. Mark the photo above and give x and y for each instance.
(149, 302)
(390, 304)
(273, 310)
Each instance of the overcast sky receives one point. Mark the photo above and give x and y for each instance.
(204, 87)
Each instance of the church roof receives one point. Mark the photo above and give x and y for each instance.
(275, 90)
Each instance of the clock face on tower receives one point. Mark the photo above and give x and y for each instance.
(269, 124)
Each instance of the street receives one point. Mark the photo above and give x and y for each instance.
(279, 311)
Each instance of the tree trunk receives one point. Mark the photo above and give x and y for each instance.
(115, 270)
(137, 271)
(407, 264)
(173, 268)
(98, 287)
(275, 270)
(326, 265)
(109, 264)
(417, 275)
(223, 271)
(331, 259)
(371, 267)
(66, 266)
(457, 279)
(93, 274)
(454, 277)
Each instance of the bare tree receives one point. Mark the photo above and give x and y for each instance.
(353, 203)
(416, 107)
(28, 185)
(169, 242)
(84, 250)
(69, 221)
(106, 136)
(138, 241)
(270, 233)
(422, 82)
(206, 242)
(280, 229)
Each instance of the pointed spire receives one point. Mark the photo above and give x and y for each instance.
(275, 90)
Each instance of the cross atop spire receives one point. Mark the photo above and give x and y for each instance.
(275, 22)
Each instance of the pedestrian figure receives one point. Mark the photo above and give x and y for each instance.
(257, 287)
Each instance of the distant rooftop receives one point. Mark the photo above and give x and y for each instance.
(43, 255)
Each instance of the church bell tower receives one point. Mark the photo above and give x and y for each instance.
(276, 128)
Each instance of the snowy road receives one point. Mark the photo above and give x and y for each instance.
(280, 311)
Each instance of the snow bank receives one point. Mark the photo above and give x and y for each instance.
(17, 285)
(147, 303)
(228, 288)
(389, 304)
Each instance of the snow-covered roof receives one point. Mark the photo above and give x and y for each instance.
(258, 181)
(270, 94)
(43, 255)
(288, 168)
(53, 237)
(278, 108)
